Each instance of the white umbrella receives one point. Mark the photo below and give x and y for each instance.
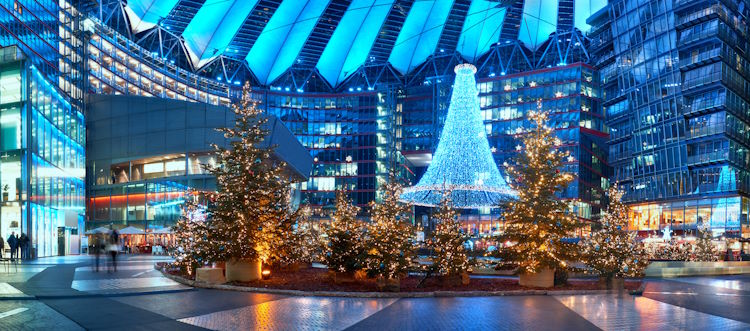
(166, 230)
(131, 230)
(100, 229)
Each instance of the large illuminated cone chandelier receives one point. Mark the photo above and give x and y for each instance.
(463, 163)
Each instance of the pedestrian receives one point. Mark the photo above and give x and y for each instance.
(12, 244)
(113, 247)
(24, 244)
(2, 247)
(18, 247)
(97, 249)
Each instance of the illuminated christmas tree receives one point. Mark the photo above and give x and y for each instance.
(389, 244)
(450, 257)
(704, 249)
(538, 222)
(193, 247)
(613, 251)
(298, 242)
(345, 250)
(463, 165)
(252, 204)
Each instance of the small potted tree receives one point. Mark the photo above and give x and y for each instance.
(612, 252)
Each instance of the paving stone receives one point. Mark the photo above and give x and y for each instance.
(298, 313)
(611, 312)
(33, 315)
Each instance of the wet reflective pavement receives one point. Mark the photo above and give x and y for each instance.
(67, 294)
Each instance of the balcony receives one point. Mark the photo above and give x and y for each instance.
(708, 158)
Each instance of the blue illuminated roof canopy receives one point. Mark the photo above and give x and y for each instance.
(279, 33)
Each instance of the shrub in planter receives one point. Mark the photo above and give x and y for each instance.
(612, 252)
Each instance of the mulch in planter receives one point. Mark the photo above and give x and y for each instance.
(314, 279)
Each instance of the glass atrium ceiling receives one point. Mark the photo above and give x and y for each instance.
(287, 31)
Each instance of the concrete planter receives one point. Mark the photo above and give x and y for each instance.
(210, 275)
(455, 280)
(613, 283)
(389, 284)
(243, 270)
(346, 277)
(545, 279)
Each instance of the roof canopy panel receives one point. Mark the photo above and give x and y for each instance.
(146, 14)
(283, 37)
(481, 29)
(584, 9)
(538, 21)
(420, 34)
(211, 30)
(350, 43)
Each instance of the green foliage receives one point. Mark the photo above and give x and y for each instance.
(390, 247)
(538, 221)
(345, 250)
(251, 209)
(612, 251)
(704, 250)
(450, 256)
(193, 246)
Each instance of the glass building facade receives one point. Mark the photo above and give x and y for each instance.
(351, 137)
(676, 90)
(42, 158)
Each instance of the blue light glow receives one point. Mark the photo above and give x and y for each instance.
(481, 29)
(538, 21)
(420, 34)
(350, 43)
(211, 30)
(584, 9)
(145, 14)
(463, 162)
(282, 39)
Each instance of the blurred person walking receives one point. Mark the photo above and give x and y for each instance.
(18, 248)
(23, 243)
(12, 242)
(113, 247)
(97, 247)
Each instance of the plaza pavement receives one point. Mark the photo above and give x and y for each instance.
(67, 294)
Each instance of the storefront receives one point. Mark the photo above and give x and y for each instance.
(725, 216)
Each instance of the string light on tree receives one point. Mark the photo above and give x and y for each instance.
(390, 249)
(193, 247)
(345, 249)
(538, 222)
(612, 251)
(463, 164)
(251, 208)
(704, 250)
(447, 243)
